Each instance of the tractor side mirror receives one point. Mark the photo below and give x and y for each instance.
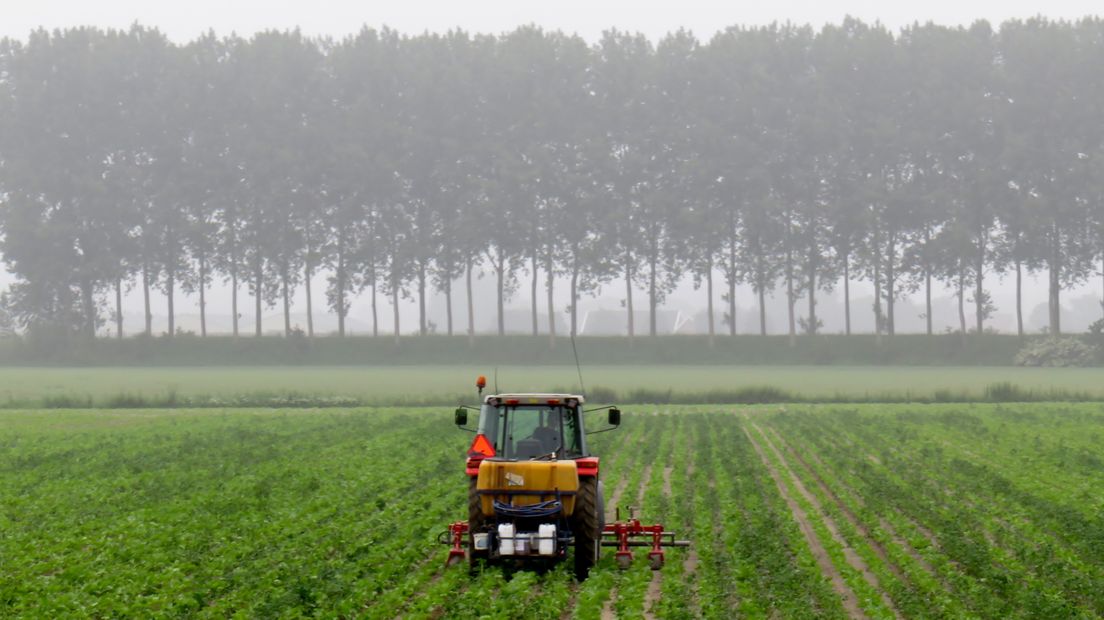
(614, 417)
(461, 416)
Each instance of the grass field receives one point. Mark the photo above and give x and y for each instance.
(988, 511)
(448, 384)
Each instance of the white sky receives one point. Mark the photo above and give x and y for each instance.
(184, 20)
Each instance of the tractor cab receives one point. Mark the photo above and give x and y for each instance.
(532, 426)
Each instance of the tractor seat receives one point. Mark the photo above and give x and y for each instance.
(528, 448)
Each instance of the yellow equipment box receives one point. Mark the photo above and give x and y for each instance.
(544, 478)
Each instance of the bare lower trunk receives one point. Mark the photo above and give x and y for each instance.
(629, 296)
(731, 276)
(395, 306)
(88, 302)
(500, 273)
(170, 295)
(375, 306)
(790, 297)
(979, 286)
(234, 299)
(847, 294)
(448, 303)
(339, 284)
(1019, 299)
(286, 295)
(891, 281)
(203, 295)
(962, 302)
(471, 303)
(307, 274)
(533, 296)
(761, 285)
(652, 303)
(1055, 288)
(575, 297)
(146, 299)
(258, 285)
(422, 327)
(812, 327)
(877, 297)
(709, 298)
(119, 308)
(550, 276)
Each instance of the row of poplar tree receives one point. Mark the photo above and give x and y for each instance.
(788, 158)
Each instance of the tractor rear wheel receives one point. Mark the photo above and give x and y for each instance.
(587, 526)
(476, 521)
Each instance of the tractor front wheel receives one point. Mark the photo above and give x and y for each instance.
(587, 526)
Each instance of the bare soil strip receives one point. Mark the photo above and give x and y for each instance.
(849, 552)
(851, 517)
(607, 609)
(824, 562)
(882, 523)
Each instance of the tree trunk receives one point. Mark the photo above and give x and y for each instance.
(877, 294)
(927, 279)
(170, 294)
(119, 308)
(308, 272)
(575, 297)
(375, 304)
(731, 276)
(761, 286)
(790, 300)
(89, 303)
(395, 300)
(1055, 280)
(812, 327)
(146, 299)
(962, 302)
(652, 293)
(448, 302)
(500, 272)
(891, 281)
(339, 284)
(471, 303)
(533, 300)
(1019, 299)
(234, 298)
(550, 276)
(847, 293)
(258, 284)
(979, 285)
(709, 297)
(284, 277)
(629, 295)
(203, 294)
(422, 327)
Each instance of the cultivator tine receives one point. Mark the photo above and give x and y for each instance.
(627, 534)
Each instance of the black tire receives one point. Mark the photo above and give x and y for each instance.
(587, 526)
(476, 522)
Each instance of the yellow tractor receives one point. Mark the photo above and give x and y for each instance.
(534, 488)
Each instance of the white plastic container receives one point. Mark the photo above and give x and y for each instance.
(481, 542)
(523, 543)
(547, 533)
(506, 538)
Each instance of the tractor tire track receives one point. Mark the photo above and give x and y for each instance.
(820, 554)
(849, 552)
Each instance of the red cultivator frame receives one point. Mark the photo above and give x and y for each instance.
(625, 534)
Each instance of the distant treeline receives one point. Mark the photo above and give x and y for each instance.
(752, 350)
(782, 157)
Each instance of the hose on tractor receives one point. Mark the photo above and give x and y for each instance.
(532, 511)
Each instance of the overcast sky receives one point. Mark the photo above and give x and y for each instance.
(183, 20)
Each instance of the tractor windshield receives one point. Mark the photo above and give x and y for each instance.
(530, 431)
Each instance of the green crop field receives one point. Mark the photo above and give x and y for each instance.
(449, 384)
(950, 510)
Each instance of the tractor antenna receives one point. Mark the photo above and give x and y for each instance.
(578, 368)
(496, 381)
